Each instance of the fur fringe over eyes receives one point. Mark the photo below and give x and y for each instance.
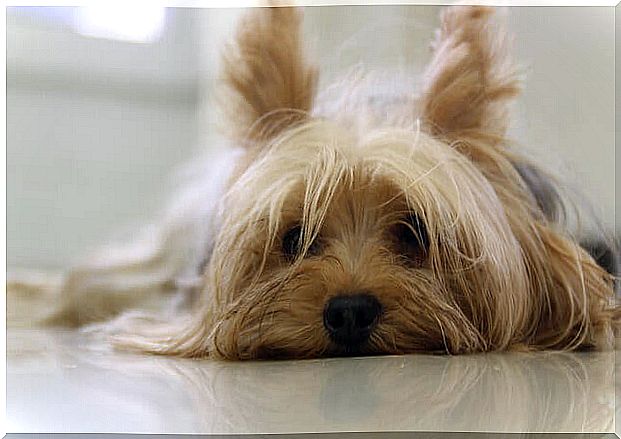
(325, 240)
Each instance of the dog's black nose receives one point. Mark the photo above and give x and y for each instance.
(351, 319)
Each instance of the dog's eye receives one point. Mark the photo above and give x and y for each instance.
(291, 243)
(412, 240)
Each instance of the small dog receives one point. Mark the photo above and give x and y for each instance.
(357, 232)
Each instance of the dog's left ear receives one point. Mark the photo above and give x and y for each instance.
(270, 83)
(470, 80)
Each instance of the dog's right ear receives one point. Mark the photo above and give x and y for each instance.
(270, 86)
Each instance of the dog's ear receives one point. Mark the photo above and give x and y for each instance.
(470, 79)
(270, 85)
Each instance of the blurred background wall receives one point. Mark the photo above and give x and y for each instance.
(103, 105)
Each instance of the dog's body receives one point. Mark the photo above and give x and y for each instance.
(359, 231)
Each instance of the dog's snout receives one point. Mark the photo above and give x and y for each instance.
(350, 319)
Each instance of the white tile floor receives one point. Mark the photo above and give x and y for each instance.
(62, 382)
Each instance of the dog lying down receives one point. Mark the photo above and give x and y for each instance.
(350, 232)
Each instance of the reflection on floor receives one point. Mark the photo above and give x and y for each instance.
(65, 382)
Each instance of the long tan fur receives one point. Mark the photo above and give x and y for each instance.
(497, 272)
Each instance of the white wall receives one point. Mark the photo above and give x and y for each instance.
(94, 126)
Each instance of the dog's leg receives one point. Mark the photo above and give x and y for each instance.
(140, 274)
(95, 290)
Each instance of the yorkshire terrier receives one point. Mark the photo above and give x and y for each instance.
(358, 232)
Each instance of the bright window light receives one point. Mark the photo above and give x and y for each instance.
(139, 23)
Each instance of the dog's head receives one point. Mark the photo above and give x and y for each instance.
(419, 237)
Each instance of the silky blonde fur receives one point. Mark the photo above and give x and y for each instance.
(497, 274)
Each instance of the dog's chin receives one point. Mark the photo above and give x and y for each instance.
(333, 351)
(364, 349)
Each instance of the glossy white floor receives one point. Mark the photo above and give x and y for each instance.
(63, 382)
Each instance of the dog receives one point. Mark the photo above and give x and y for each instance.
(354, 231)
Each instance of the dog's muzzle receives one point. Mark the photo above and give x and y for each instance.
(350, 319)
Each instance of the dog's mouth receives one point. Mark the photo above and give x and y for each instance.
(334, 350)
